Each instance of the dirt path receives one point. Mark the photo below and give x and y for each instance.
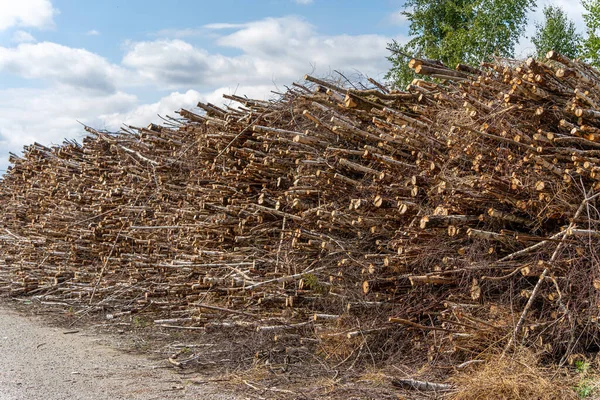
(41, 362)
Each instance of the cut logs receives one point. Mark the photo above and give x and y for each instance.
(431, 206)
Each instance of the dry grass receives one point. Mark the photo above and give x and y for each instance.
(514, 376)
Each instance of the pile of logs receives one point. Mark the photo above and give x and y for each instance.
(464, 206)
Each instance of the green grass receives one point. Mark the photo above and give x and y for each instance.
(586, 386)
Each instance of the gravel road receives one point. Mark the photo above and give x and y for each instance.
(41, 362)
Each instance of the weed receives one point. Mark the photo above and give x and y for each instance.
(139, 322)
(582, 366)
(312, 282)
(586, 386)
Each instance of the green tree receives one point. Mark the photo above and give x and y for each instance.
(590, 46)
(557, 32)
(453, 31)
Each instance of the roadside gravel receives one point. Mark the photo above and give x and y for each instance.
(41, 362)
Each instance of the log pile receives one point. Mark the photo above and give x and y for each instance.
(463, 208)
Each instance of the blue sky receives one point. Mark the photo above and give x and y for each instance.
(108, 63)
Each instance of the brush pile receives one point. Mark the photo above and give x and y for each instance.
(462, 211)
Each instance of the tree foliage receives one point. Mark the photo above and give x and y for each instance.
(453, 31)
(557, 32)
(590, 46)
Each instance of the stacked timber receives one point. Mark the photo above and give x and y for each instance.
(465, 207)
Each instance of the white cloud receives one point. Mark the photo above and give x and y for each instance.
(84, 86)
(272, 49)
(303, 2)
(144, 114)
(57, 112)
(180, 33)
(223, 25)
(397, 18)
(61, 64)
(50, 115)
(259, 92)
(573, 9)
(287, 47)
(29, 13)
(22, 37)
(92, 32)
(267, 36)
(169, 62)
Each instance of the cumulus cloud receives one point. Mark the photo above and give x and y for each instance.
(303, 2)
(223, 25)
(260, 92)
(84, 86)
(29, 13)
(292, 43)
(169, 62)
(573, 9)
(61, 64)
(22, 37)
(397, 18)
(272, 49)
(57, 113)
(181, 33)
(92, 32)
(50, 115)
(144, 114)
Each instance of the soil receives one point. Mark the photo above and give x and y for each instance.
(43, 362)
